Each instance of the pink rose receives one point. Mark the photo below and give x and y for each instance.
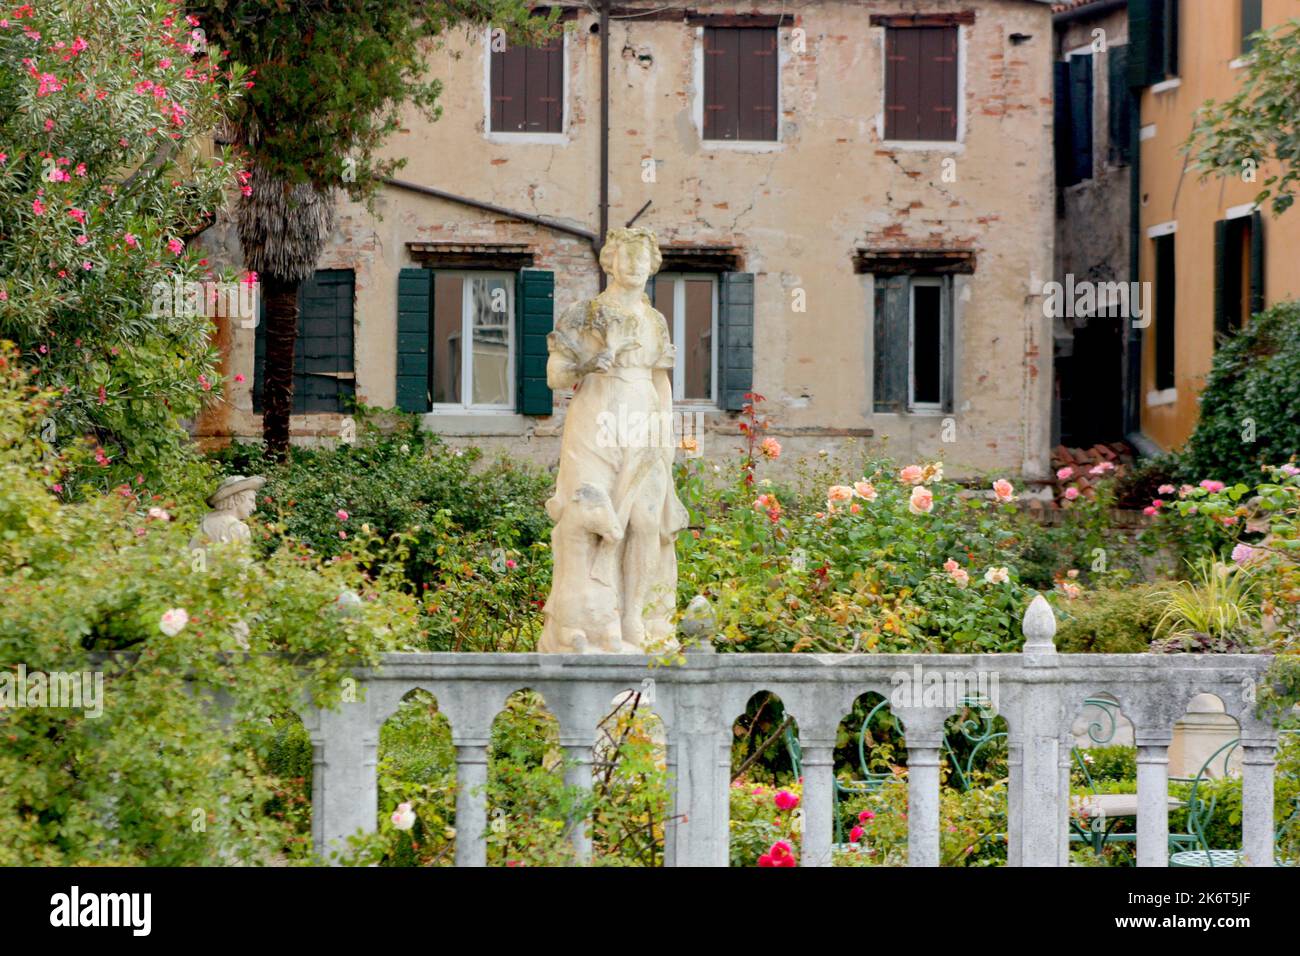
(1166, 490)
(341, 515)
(921, 501)
(912, 474)
(866, 815)
(1004, 490)
(785, 800)
(1212, 486)
(856, 834)
(1071, 493)
(1065, 474)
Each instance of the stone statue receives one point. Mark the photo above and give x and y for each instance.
(616, 512)
(233, 501)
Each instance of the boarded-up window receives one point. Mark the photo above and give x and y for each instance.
(921, 83)
(740, 83)
(528, 88)
(323, 377)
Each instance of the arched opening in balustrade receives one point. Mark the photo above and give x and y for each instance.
(766, 789)
(531, 813)
(1103, 783)
(974, 778)
(416, 770)
(870, 792)
(1205, 762)
(283, 749)
(632, 795)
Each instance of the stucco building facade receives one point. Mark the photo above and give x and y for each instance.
(856, 203)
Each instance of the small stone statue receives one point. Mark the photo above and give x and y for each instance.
(233, 501)
(616, 513)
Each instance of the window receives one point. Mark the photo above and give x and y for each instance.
(472, 347)
(689, 303)
(1163, 247)
(913, 343)
(921, 83)
(740, 83)
(1252, 19)
(474, 339)
(1238, 271)
(323, 378)
(527, 89)
(1120, 103)
(1153, 41)
(1073, 119)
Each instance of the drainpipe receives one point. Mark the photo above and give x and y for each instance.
(604, 133)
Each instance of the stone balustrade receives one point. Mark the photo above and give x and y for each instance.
(1038, 691)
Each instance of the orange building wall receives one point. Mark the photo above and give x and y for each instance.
(1209, 40)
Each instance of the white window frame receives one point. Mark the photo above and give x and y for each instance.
(697, 104)
(932, 282)
(466, 405)
(514, 137)
(957, 145)
(678, 332)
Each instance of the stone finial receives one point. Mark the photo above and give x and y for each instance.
(1039, 626)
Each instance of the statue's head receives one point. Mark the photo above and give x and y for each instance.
(237, 495)
(630, 256)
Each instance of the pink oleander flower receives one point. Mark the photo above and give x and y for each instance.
(1157, 503)
(1065, 474)
(38, 207)
(1071, 493)
(131, 240)
(785, 800)
(1004, 490)
(176, 246)
(921, 501)
(1150, 511)
(1212, 486)
(239, 377)
(911, 475)
(341, 515)
(770, 447)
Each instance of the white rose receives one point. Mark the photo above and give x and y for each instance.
(996, 576)
(403, 817)
(173, 621)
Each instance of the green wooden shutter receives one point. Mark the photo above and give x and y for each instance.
(1146, 41)
(1120, 105)
(414, 368)
(1081, 116)
(1256, 263)
(1063, 133)
(1220, 278)
(735, 339)
(535, 318)
(891, 348)
(1169, 40)
(947, 306)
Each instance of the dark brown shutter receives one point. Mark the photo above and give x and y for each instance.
(528, 89)
(740, 83)
(921, 83)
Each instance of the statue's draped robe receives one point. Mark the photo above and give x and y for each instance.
(618, 437)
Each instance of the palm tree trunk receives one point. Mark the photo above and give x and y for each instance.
(281, 297)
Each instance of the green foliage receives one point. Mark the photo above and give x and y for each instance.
(1248, 417)
(1109, 621)
(1219, 603)
(470, 538)
(106, 126)
(331, 84)
(1258, 123)
(1107, 763)
(758, 821)
(165, 775)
